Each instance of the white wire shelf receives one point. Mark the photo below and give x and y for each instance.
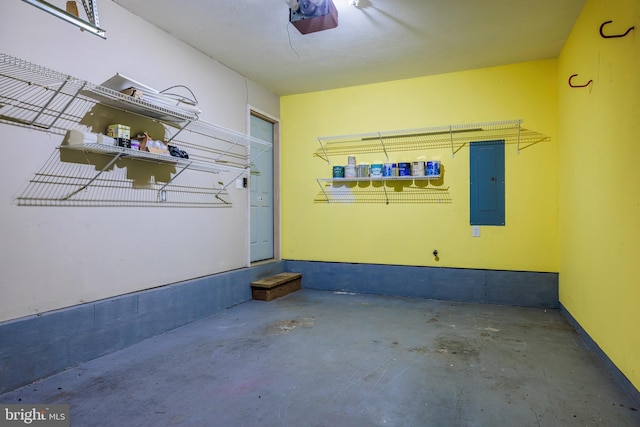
(154, 158)
(393, 191)
(115, 99)
(225, 134)
(453, 137)
(40, 98)
(74, 183)
(46, 100)
(382, 179)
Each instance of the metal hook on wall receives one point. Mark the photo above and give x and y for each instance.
(605, 36)
(584, 85)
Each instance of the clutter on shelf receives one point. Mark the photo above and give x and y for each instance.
(121, 135)
(146, 143)
(418, 168)
(161, 99)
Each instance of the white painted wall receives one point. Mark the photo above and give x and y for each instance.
(54, 257)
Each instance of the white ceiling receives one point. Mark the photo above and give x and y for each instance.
(380, 40)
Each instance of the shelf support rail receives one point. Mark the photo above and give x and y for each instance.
(160, 197)
(266, 148)
(91, 9)
(46, 105)
(107, 166)
(453, 153)
(228, 184)
(62, 111)
(244, 171)
(179, 130)
(383, 148)
(326, 158)
(386, 196)
(323, 192)
(228, 150)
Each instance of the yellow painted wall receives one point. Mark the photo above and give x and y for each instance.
(407, 234)
(599, 178)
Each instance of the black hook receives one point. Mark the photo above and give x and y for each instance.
(584, 85)
(604, 36)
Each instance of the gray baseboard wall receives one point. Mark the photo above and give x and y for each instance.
(38, 346)
(518, 288)
(616, 375)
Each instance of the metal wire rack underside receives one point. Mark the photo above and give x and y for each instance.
(396, 191)
(59, 183)
(453, 137)
(39, 98)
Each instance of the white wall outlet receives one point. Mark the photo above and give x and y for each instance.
(475, 231)
(239, 183)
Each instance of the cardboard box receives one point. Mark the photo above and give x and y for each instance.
(154, 150)
(276, 286)
(119, 131)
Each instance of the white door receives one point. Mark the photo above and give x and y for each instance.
(261, 190)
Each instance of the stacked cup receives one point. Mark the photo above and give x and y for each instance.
(350, 169)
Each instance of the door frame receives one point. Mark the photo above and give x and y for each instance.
(275, 121)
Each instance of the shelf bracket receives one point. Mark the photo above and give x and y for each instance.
(91, 9)
(222, 200)
(323, 191)
(44, 107)
(217, 196)
(107, 166)
(62, 111)
(244, 171)
(227, 150)
(179, 130)
(92, 13)
(230, 182)
(160, 198)
(253, 159)
(386, 196)
(518, 144)
(383, 147)
(453, 153)
(326, 158)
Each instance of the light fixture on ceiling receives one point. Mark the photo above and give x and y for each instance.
(309, 16)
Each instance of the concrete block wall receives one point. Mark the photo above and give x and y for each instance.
(519, 288)
(38, 346)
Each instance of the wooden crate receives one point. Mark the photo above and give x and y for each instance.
(276, 286)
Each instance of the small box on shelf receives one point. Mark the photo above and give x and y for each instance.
(123, 142)
(76, 137)
(119, 131)
(106, 140)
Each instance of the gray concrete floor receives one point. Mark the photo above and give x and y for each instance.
(316, 358)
